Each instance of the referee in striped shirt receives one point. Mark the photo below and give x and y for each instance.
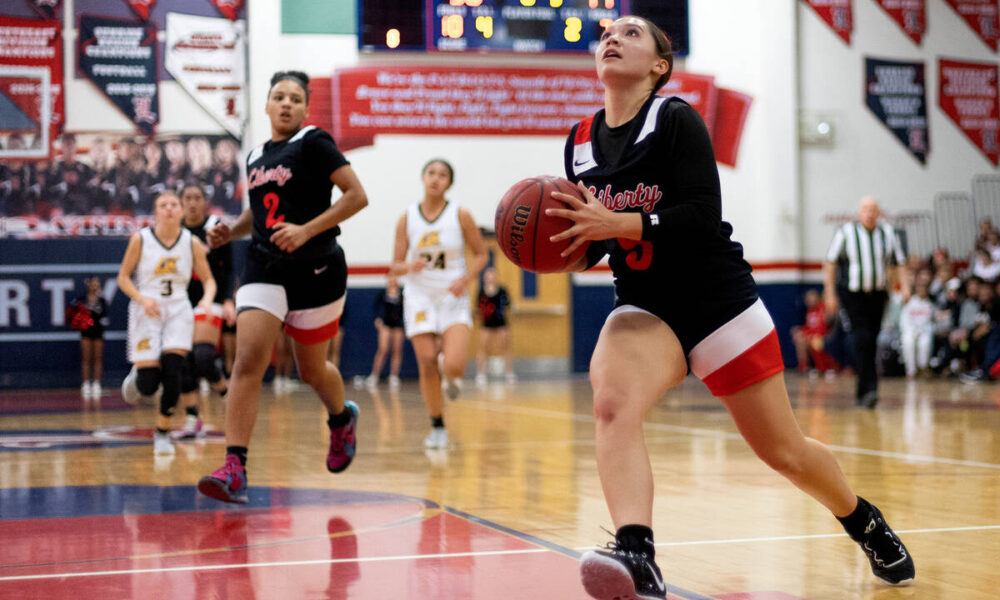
(863, 255)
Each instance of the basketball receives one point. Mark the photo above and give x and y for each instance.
(523, 229)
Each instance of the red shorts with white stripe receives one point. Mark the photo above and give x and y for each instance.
(738, 354)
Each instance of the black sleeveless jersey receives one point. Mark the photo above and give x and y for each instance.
(220, 261)
(289, 181)
(686, 262)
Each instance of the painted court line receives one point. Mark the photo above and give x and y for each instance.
(806, 537)
(261, 565)
(553, 414)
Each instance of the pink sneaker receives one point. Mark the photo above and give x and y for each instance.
(228, 483)
(343, 442)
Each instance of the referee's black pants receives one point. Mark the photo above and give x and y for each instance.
(865, 310)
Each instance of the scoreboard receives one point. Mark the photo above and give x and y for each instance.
(528, 26)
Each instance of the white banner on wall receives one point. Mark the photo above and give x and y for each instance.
(207, 56)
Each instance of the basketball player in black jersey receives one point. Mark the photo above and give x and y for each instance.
(295, 276)
(686, 299)
(207, 324)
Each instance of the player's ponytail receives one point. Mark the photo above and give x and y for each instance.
(664, 49)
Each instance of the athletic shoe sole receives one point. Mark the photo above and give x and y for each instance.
(217, 490)
(607, 579)
(901, 583)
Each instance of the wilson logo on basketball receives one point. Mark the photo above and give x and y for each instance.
(521, 216)
(167, 266)
(261, 176)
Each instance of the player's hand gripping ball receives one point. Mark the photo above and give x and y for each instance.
(523, 229)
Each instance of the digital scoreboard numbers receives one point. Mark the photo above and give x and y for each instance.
(506, 26)
(519, 25)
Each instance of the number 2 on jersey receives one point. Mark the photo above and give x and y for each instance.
(271, 202)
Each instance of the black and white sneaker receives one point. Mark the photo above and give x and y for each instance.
(890, 560)
(618, 574)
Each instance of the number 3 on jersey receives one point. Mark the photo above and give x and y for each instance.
(271, 202)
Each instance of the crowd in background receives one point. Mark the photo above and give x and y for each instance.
(945, 323)
(119, 177)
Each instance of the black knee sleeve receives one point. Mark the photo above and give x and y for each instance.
(148, 380)
(204, 362)
(189, 380)
(172, 366)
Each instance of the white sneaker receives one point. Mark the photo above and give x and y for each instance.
(393, 382)
(162, 444)
(481, 380)
(359, 382)
(95, 390)
(279, 385)
(192, 429)
(371, 382)
(85, 390)
(130, 389)
(452, 388)
(438, 438)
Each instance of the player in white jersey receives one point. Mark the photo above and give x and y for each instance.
(161, 320)
(431, 238)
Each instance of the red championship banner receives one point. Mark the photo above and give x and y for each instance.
(479, 101)
(229, 8)
(837, 14)
(730, 118)
(982, 17)
(32, 45)
(459, 101)
(968, 95)
(142, 7)
(697, 90)
(910, 15)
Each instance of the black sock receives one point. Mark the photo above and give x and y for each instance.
(637, 538)
(162, 431)
(191, 411)
(856, 522)
(239, 452)
(223, 393)
(437, 421)
(335, 421)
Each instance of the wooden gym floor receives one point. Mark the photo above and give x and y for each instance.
(86, 511)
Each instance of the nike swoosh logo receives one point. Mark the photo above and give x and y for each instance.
(656, 578)
(320, 270)
(577, 163)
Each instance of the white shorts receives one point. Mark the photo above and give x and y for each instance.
(426, 312)
(306, 326)
(149, 336)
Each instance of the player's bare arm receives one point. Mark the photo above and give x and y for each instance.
(477, 247)
(129, 262)
(204, 273)
(289, 237)
(592, 221)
